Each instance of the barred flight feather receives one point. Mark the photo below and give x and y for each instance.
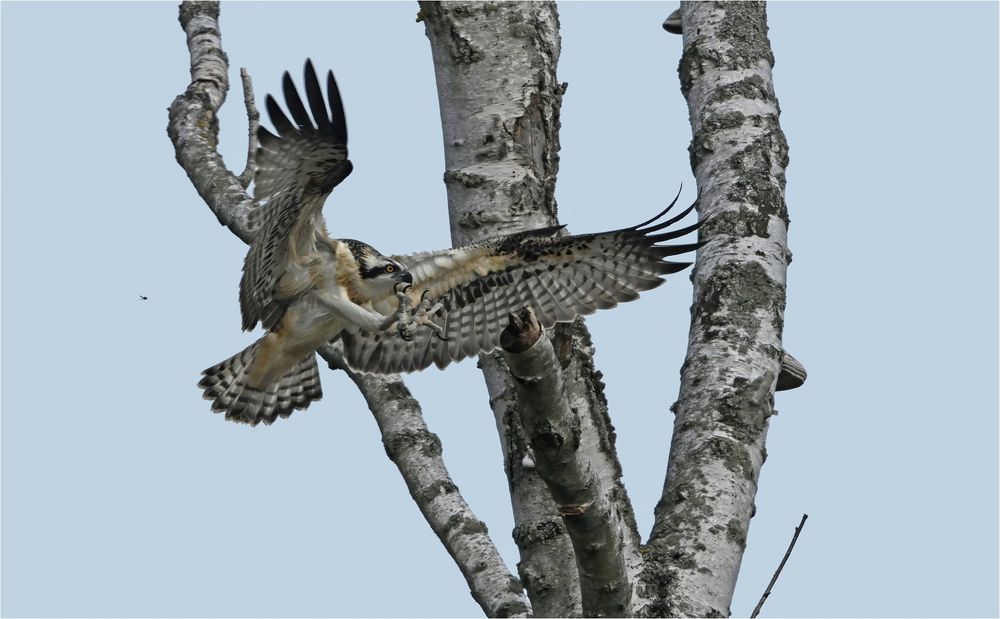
(296, 170)
(479, 285)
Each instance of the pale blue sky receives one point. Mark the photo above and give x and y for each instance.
(124, 496)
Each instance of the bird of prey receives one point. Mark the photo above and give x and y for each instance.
(396, 313)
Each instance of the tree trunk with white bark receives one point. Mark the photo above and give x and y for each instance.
(728, 379)
(499, 96)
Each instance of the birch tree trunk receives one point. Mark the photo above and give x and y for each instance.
(499, 96)
(739, 156)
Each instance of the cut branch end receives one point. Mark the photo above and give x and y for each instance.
(522, 331)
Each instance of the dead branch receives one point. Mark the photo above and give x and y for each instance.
(777, 572)
(253, 116)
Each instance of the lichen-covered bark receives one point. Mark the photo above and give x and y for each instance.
(496, 74)
(553, 431)
(739, 155)
(193, 129)
(417, 453)
(548, 564)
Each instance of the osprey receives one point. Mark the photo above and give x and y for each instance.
(395, 313)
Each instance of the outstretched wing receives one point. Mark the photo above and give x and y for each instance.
(296, 170)
(560, 277)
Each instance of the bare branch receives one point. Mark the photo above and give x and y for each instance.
(738, 156)
(253, 116)
(554, 434)
(417, 453)
(193, 124)
(777, 572)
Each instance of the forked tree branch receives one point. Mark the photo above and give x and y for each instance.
(194, 124)
(193, 129)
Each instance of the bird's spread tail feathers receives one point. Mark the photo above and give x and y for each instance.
(226, 384)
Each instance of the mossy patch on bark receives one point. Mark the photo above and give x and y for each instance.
(738, 223)
(732, 455)
(752, 87)
(429, 443)
(730, 299)
(466, 525)
(736, 533)
(530, 534)
(434, 490)
(746, 409)
(744, 27)
(757, 170)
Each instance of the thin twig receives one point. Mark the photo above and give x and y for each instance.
(254, 117)
(774, 578)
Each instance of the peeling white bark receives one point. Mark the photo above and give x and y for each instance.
(499, 96)
(193, 129)
(739, 156)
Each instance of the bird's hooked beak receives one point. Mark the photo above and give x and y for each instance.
(403, 277)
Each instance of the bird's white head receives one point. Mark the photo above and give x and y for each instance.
(378, 275)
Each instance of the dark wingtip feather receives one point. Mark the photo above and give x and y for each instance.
(661, 213)
(674, 267)
(282, 125)
(673, 234)
(314, 95)
(339, 122)
(663, 251)
(546, 231)
(672, 220)
(294, 103)
(264, 136)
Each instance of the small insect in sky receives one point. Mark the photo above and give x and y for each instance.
(142, 297)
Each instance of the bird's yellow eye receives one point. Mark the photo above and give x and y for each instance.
(390, 269)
